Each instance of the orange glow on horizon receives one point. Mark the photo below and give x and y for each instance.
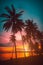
(8, 52)
(20, 52)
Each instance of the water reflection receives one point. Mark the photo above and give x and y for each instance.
(6, 53)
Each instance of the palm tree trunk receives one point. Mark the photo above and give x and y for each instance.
(12, 52)
(23, 45)
(31, 47)
(15, 52)
(28, 41)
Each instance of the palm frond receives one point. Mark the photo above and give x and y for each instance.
(7, 25)
(18, 15)
(21, 11)
(5, 15)
(5, 20)
(13, 9)
(8, 10)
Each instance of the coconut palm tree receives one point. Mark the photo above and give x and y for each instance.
(12, 20)
(30, 30)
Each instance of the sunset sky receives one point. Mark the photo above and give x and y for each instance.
(32, 10)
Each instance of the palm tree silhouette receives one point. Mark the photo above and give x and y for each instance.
(30, 30)
(12, 20)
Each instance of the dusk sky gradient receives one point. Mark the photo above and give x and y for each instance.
(33, 9)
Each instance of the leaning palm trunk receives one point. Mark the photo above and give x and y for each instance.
(23, 45)
(30, 46)
(24, 48)
(28, 43)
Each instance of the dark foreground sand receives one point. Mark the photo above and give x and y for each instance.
(36, 60)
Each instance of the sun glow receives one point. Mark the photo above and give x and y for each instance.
(39, 46)
(26, 46)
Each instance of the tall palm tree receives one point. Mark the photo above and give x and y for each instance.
(30, 30)
(13, 40)
(12, 20)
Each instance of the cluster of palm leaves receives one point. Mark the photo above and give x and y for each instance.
(15, 23)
